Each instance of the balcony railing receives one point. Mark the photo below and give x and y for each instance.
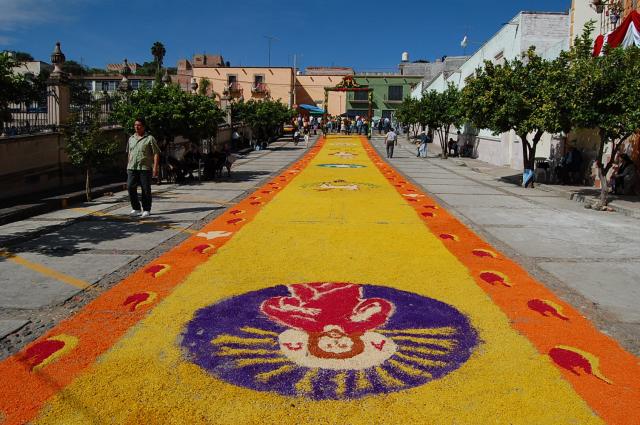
(260, 88)
(234, 88)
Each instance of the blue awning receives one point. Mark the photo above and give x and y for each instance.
(311, 108)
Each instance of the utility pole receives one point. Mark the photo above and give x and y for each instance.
(295, 75)
(295, 78)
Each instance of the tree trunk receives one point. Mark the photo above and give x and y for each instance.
(525, 157)
(446, 140)
(87, 185)
(602, 173)
(443, 143)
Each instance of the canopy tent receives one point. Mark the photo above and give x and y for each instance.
(627, 34)
(312, 109)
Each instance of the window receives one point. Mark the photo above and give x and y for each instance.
(231, 79)
(105, 86)
(258, 79)
(361, 96)
(395, 93)
(135, 84)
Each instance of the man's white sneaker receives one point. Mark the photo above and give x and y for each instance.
(134, 212)
(145, 214)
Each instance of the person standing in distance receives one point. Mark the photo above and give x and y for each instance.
(391, 140)
(144, 156)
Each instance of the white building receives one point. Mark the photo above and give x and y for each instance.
(583, 11)
(549, 33)
(32, 67)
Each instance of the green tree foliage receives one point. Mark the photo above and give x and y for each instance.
(158, 51)
(441, 111)
(147, 69)
(74, 68)
(22, 56)
(203, 87)
(87, 146)
(264, 117)
(169, 112)
(14, 88)
(408, 113)
(523, 95)
(605, 96)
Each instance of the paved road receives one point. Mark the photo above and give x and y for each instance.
(68, 257)
(591, 259)
(338, 292)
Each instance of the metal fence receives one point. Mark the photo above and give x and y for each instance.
(104, 104)
(40, 116)
(44, 115)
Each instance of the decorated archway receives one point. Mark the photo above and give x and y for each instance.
(348, 84)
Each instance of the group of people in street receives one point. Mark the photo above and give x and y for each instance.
(345, 125)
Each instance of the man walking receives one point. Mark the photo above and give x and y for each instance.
(144, 153)
(391, 139)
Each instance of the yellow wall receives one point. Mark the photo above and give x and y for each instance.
(310, 90)
(279, 81)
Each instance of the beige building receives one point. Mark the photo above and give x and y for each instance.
(247, 82)
(310, 91)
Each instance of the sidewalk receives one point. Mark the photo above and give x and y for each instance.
(590, 258)
(626, 205)
(54, 263)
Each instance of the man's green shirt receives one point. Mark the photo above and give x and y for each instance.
(141, 151)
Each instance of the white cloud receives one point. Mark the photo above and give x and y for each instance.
(17, 14)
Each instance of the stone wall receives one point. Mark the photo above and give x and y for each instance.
(37, 163)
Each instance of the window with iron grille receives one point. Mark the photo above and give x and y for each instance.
(361, 96)
(395, 93)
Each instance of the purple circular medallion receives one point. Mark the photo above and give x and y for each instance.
(328, 340)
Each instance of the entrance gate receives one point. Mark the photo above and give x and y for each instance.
(348, 84)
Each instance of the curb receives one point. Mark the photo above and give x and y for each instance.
(21, 212)
(591, 201)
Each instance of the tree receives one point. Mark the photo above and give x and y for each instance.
(22, 56)
(441, 112)
(203, 87)
(264, 117)
(169, 112)
(606, 95)
(14, 88)
(408, 113)
(204, 117)
(87, 146)
(521, 96)
(158, 51)
(74, 68)
(147, 69)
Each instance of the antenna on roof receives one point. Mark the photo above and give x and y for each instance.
(270, 38)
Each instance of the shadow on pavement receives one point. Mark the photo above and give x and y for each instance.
(85, 234)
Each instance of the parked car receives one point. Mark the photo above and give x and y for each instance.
(288, 129)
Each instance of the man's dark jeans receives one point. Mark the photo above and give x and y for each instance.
(390, 150)
(143, 179)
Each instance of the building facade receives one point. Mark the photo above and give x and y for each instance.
(248, 82)
(310, 90)
(548, 32)
(388, 93)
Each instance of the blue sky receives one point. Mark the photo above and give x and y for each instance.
(367, 35)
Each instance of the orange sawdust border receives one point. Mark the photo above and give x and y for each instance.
(611, 387)
(101, 323)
